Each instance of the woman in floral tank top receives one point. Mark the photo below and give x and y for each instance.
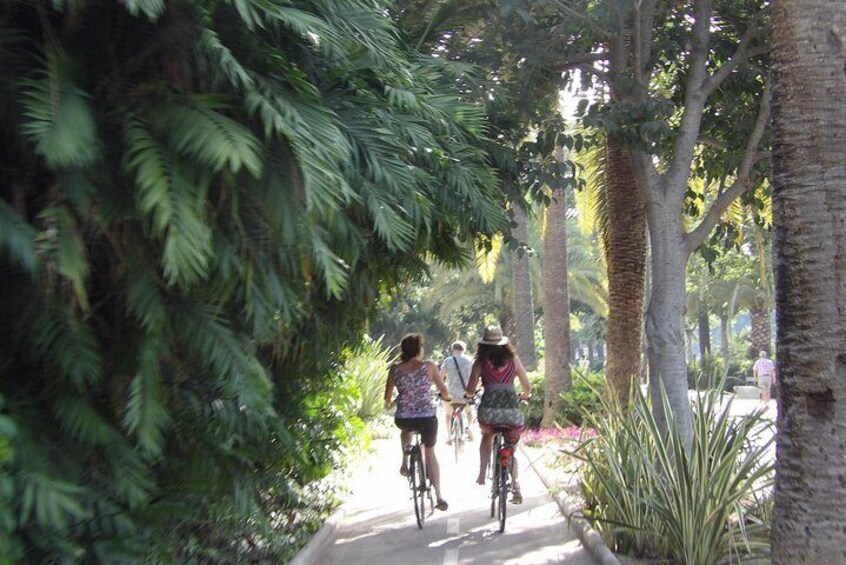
(413, 379)
(496, 366)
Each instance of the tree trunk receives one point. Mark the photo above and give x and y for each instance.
(625, 248)
(556, 308)
(809, 205)
(506, 319)
(524, 314)
(665, 320)
(704, 324)
(724, 340)
(760, 333)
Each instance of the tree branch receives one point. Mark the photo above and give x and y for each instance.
(694, 239)
(742, 54)
(694, 97)
(604, 33)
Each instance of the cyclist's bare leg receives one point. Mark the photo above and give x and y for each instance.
(468, 413)
(485, 447)
(448, 422)
(405, 441)
(434, 472)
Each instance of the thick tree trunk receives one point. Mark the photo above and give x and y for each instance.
(665, 320)
(809, 204)
(524, 311)
(556, 308)
(760, 333)
(625, 248)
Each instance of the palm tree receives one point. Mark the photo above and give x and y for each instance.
(556, 306)
(810, 264)
(524, 311)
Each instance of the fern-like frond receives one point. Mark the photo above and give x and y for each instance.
(196, 130)
(51, 502)
(174, 203)
(68, 344)
(150, 8)
(59, 122)
(16, 237)
(146, 416)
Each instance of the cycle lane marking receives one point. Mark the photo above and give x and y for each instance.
(451, 557)
(452, 526)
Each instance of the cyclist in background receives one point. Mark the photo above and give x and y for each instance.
(413, 379)
(496, 366)
(455, 370)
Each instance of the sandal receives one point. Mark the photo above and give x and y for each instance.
(442, 504)
(516, 496)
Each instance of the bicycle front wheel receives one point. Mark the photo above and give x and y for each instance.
(418, 483)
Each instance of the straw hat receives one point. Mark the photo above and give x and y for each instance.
(493, 336)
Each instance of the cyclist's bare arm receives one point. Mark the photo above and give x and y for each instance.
(475, 372)
(389, 388)
(435, 375)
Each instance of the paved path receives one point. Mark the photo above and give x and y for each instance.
(379, 525)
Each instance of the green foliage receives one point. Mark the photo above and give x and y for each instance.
(366, 367)
(582, 399)
(10, 547)
(192, 229)
(650, 497)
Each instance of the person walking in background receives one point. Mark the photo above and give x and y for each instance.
(496, 366)
(413, 379)
(455, 370)
(764, 373)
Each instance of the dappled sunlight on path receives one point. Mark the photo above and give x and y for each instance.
(379, 526)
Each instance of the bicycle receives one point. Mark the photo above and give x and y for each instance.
(502, 470)
(457, 428)
(418, 480)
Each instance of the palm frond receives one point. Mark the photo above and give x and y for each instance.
(16, 238)
(59, 122)
(146, 416)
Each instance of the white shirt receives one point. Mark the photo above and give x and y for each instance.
(465, 363)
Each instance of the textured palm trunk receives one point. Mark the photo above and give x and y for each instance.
(625, 247)
(809, 205)
(524, 314)
(760, 333)
(506, 319)
(556, 308)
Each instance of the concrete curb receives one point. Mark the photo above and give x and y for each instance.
(324, 538)
(589, 537)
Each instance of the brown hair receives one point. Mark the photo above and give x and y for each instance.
(497, 355)
(411, 345)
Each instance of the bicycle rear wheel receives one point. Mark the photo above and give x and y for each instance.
(457, 434)
(418, 483)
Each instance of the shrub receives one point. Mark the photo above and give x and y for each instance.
(583, 397)
(366, 368)
(651, 497)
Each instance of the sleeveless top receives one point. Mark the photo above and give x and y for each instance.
(500, 404)
(415, 396)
